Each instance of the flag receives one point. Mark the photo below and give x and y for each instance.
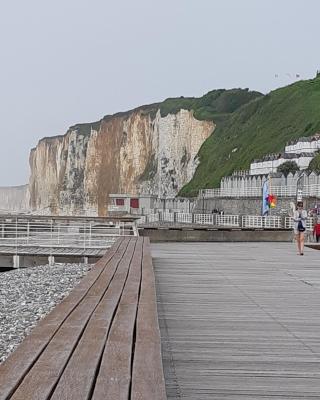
(265, 196)
(272, 201)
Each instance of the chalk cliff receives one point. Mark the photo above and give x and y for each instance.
(135, 152)
(14, 198)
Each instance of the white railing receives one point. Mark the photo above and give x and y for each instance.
(256, 221)
(311, 190)
(185, 218)
(203, 219)
(280, 191)
(244, 221)
(167, 216)
(63, 233)
(227, 220)
(153, 217)
(273, 222)
(289, 223)
(252, 221)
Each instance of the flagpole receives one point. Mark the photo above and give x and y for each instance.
(270, 192)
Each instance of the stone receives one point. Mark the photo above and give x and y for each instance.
(27, 295)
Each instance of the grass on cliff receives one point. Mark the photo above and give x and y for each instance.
(260, 127)
(212, 106)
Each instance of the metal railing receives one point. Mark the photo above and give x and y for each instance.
(257, 221)
(236, 221)
(280, 191)
(185, 218)
(63, 233)
(227, 220)
(309, 223)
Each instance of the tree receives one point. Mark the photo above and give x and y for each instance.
(314, 165)
(287, 167)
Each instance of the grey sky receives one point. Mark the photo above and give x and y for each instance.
(69, 61)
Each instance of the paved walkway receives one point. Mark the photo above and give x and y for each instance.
(239, 321)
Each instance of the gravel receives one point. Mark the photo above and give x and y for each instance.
(28, 294)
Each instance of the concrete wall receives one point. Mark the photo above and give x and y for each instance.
(217, 235)
(249, 206)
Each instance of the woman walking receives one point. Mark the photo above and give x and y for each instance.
(299, 218)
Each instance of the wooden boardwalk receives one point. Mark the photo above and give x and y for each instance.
(239, 321)
(102, 342)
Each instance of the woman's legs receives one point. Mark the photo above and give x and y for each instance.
(301, 242)
(298, 242)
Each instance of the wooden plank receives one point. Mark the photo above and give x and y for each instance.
(44, 375)
(147, 375)
(113, 380)
(78, 378)
(15, 368)
(238, 320)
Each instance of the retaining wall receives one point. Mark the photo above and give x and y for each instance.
(171, 234)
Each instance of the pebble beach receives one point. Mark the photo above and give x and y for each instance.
(28, 294)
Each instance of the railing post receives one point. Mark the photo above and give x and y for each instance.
(51, 250)
(17, 234)
(214, 219)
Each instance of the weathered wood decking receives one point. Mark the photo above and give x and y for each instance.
(102, 342)
(239, 321)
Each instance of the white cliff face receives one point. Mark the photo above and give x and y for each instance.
(176, 140)
(14, 198)
(133, 152)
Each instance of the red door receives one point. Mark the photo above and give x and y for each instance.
(134, 203)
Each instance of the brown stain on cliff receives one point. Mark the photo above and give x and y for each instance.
(108, 149)
(113, 136)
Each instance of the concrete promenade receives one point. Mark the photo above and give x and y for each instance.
(239, 320)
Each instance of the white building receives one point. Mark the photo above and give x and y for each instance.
(271, 162)
(304, 145)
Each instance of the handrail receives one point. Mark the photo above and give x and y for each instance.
(59, 233)
(240, 221)
(280, 191)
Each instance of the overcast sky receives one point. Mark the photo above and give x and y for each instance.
(70, 61)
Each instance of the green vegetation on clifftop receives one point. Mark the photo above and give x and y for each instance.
(259, 127)
(212, 106)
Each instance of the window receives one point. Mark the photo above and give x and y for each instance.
(134, 203)
(120, 202)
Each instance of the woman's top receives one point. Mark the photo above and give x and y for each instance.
(299, 216)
